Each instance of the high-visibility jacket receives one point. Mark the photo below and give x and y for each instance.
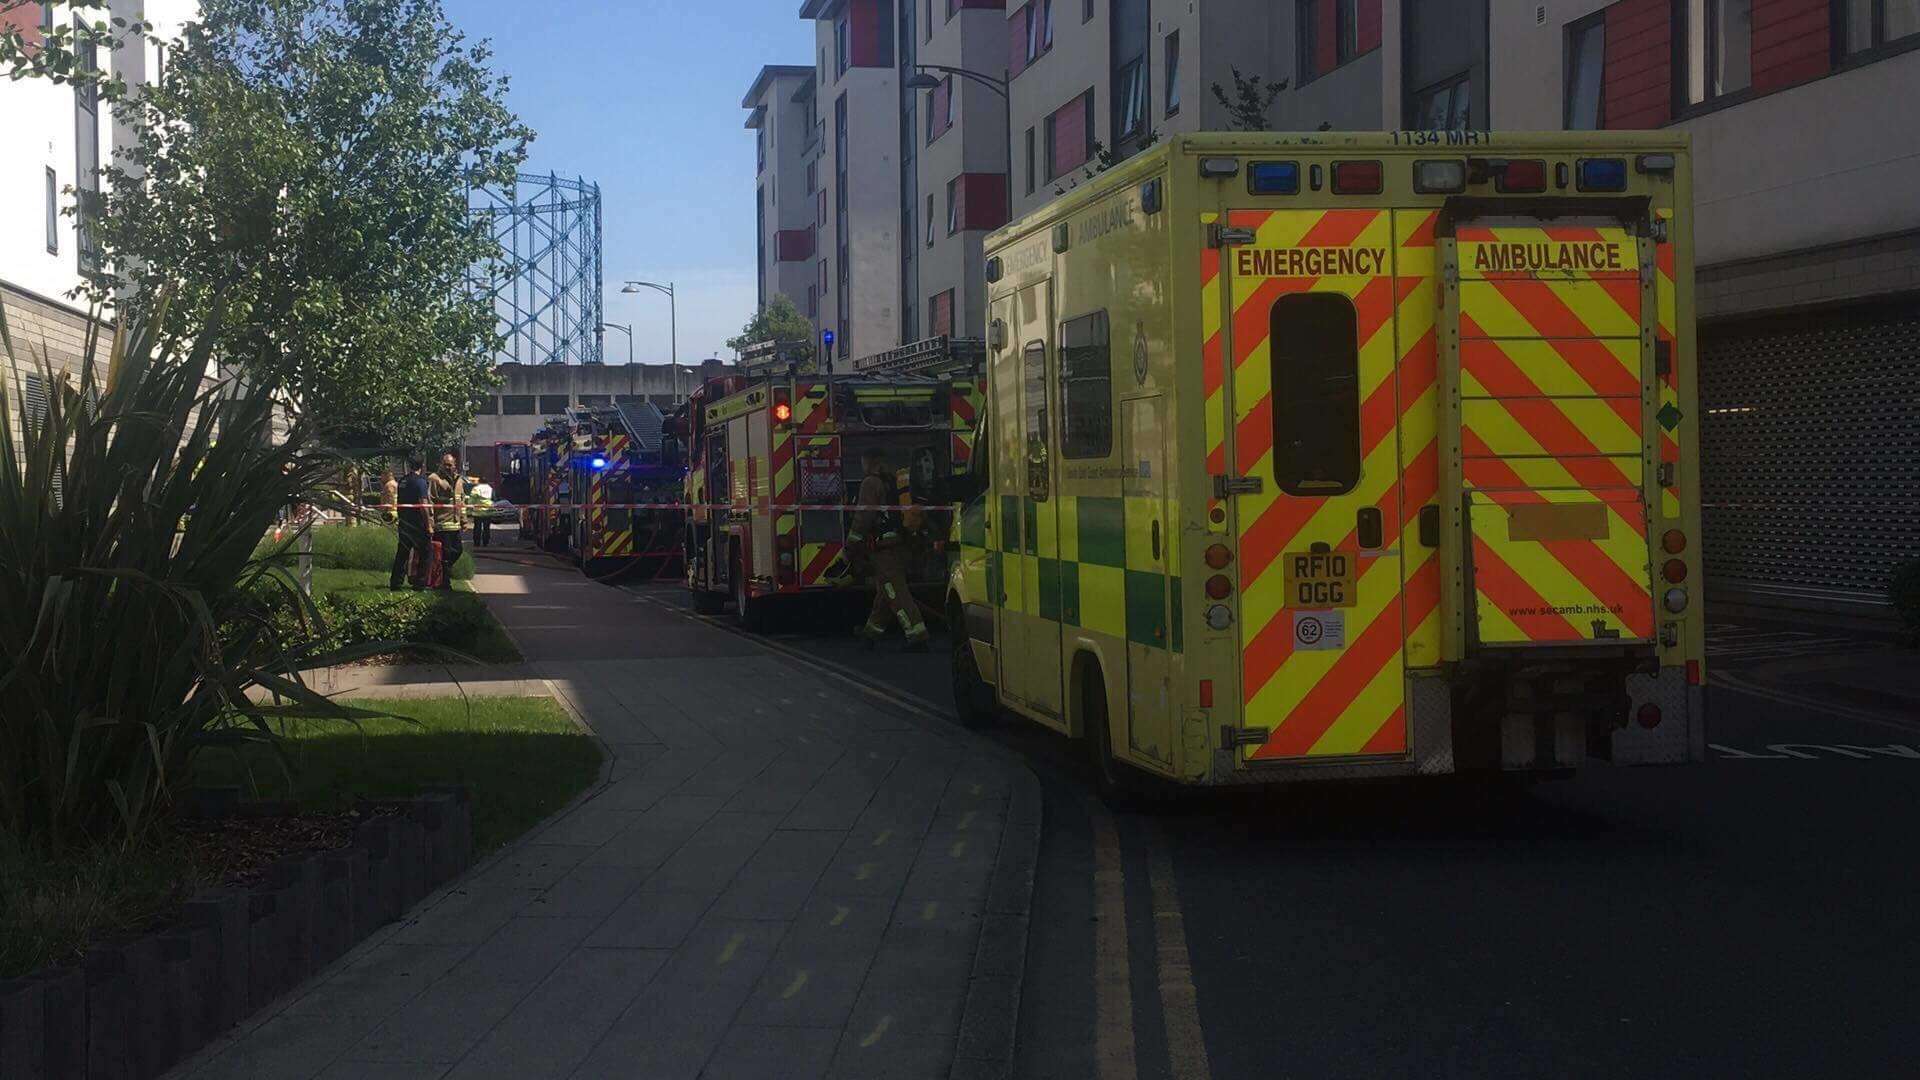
(449, 497)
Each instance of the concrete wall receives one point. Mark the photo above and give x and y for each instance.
(781, 179)
(974, 39)
(873, 202)
(1079, 59)
(577, 384)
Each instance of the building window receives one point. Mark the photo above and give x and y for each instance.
(1869, 24)
(1306, 40)
(489, 406)
(1446, 106)
(1070, 136)
(1718, 48)
(929, 219)
(813, 302)
(1039, 28)
(760, 147)
(159, 63)
(46, 17)
(553, 404)
(1086, 388)
(813, 176)
(1173, 73)
(953, 206)
(926, 18)
(53, 213)
(1316, 394)
(1034, 389)
(1029, 161)
(518, 404)
(1130, 99)
(1586, 60)
(840, 47)
(1346, 21)
(1086, 11)
(86, 142)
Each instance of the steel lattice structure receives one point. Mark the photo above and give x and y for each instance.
(547, 284)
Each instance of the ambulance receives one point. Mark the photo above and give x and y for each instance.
(1344, 455)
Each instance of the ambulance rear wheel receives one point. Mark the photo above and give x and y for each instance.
(1117, 785)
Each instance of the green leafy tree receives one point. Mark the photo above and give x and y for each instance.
(1252, 97)
(778, 321)
(309, 161)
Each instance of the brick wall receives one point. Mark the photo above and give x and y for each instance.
(1639, 68)
(1791, 42)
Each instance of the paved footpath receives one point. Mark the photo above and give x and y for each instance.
(779, 876)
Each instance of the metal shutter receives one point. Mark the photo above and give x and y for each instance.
(1811, 454)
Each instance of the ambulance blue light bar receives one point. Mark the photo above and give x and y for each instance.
(1273, 178)
(1603, 174)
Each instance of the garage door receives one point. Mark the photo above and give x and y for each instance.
(1811, 454)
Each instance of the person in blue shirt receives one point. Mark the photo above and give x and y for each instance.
(416, 537)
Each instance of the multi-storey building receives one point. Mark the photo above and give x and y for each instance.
(782, 117)
(53, 141)
(1808, 243)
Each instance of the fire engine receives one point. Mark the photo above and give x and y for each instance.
(1344, 455)
(775, 461)
(596, 474)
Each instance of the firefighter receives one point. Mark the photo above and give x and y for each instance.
(449, 497)
(879, 540)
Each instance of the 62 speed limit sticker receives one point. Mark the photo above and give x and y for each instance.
(1319, 630)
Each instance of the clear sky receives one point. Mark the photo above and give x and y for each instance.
(643, 96)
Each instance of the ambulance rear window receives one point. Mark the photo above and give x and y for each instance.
(1316, 394)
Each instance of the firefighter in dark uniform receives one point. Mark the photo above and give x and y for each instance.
(877, 534)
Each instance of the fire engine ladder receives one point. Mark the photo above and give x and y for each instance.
(932, 357)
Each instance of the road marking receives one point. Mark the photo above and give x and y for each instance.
(799, 980)
(1112, 974)
(1793, 751)
(1179, 1001)
(733, 946)
(863, 871)
(840, 913)
(878, 1030)
(1742, 685)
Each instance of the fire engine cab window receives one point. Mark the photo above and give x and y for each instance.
(1316, 395)
(1086, 388)
(1034, 391)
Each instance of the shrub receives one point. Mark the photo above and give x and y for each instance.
(132, 629)
(366, 546)
(356, 617)
(1905, 594)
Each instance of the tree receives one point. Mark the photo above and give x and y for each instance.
(778, 321)
(309, 160)
(1252, 97)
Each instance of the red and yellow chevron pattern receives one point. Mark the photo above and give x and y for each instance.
(963, 410)
(1552, 432)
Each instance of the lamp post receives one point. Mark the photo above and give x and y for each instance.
(921, 80)
(673, 324)
(632, 388)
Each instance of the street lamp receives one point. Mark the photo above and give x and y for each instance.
(627, 330)
(673, 324)
(922, 80)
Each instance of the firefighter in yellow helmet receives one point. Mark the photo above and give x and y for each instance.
(878, 538)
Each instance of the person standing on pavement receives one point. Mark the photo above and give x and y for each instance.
(410, 498)
(480, 507)
(878, 534)
(449, 497)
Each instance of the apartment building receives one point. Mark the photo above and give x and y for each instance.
(1808, 242)
(784, 122)
(857, 202)
(53, 140)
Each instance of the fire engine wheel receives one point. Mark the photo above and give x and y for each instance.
(751, 616)
(972, 697)
(708, 602)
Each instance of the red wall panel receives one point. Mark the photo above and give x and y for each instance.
(1017, 41)
(1369, 25)
(869, 46)
(25, 19)
(792, 245)
(940, 318)
(1326, 45)
(1071, 134)
(983, 200)
(1638, 87)
(1791, 42)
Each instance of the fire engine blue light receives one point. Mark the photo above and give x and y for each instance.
(598, 463)
(1603, 174)
(1274, 178)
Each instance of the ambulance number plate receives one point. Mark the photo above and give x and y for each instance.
(1319, 579)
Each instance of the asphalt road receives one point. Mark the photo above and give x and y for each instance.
(1752, 916)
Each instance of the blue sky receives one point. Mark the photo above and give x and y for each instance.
(644, 97)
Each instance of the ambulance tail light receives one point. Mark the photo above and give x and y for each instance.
(1693, 673)
(1219, 587)
(1602, 174)
(1219, 557)
(1654, 163)
(1675, 571)
(782, 412)
(1674, 542)
(1206, 693)
(1521, 175)
(1358, 178)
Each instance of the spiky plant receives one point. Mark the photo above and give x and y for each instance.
(135, 619)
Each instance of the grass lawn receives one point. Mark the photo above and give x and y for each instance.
(521, 758)
(458, 620)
